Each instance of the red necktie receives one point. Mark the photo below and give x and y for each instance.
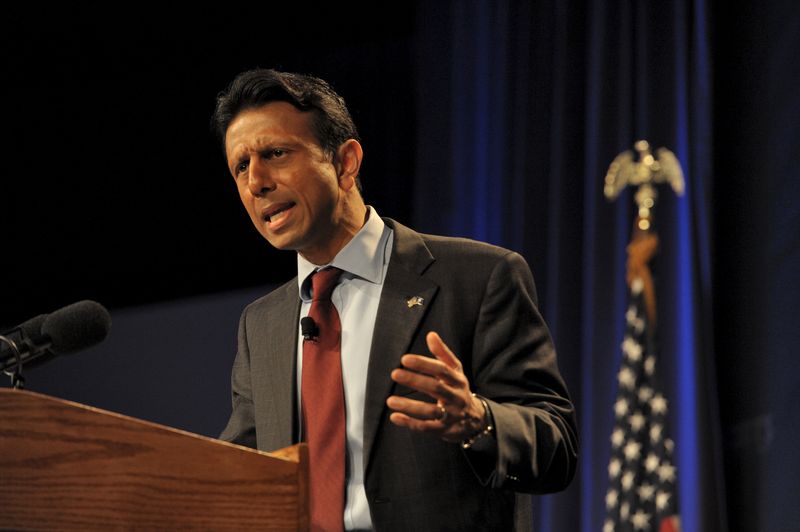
(323, 406)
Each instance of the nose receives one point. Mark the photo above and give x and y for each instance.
(259, 177)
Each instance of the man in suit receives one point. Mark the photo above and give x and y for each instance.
(454, 408)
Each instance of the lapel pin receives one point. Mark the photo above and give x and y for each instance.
(415, 301)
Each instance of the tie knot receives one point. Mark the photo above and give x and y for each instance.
(323, 283)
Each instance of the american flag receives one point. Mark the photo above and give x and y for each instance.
(642, 494)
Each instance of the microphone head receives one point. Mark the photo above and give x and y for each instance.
(77, 326)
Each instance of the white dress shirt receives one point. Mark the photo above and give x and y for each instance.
(364, 261)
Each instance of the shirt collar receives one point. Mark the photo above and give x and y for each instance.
(362, 257)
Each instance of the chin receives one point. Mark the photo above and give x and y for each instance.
(284, 244)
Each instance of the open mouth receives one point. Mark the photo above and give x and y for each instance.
(277, 212)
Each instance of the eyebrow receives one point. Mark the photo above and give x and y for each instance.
(265, 142)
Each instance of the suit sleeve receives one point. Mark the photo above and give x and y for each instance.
(514, 368)
(241, 425)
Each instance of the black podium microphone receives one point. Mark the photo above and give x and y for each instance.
(67, 330)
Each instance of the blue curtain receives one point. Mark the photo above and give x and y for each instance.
(521, 107)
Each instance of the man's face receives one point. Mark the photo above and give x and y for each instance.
(287, 183)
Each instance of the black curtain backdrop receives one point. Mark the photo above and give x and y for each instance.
(489, 119)
(542, 96)
(113, 187)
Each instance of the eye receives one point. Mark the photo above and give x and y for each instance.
(240, 167)
(275, 153)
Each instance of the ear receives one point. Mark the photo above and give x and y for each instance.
(348, 163)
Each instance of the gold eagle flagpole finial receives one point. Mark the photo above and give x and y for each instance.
(649, 170)
(644, 173)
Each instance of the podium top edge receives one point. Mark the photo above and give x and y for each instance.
(289, 454)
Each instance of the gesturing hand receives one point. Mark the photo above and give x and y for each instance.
(456, 415)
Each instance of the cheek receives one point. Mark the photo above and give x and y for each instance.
(244, 195)
(242, 192)
(247, 203)
(317, 204)
(321, 194)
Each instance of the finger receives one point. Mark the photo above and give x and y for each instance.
(441, 351)
(417, 425)
(451, 433)
(417, 409)
(433, 367)
(436, 388)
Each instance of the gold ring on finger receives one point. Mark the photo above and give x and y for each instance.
(443, 411)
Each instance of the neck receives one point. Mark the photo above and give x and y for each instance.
(352, 219)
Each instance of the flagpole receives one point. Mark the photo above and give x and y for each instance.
(642, 489)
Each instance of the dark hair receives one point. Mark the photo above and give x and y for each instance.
(332, 123)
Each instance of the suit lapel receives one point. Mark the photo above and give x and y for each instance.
(282, 352)
(397, 323)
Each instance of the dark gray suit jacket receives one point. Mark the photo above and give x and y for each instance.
(481, 299)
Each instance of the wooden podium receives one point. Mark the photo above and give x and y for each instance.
(66, 466)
